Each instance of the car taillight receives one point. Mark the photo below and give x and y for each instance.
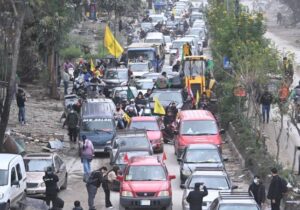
(127, 194)
(163, 193)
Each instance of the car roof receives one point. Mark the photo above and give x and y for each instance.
(39, 156)
(144, 118)
(6, 158)
(202, 146)
(145, 160)
(212, 172)
(236, 198)
(196, 115)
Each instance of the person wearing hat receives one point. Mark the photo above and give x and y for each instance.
(257, 190)
(50, 179)
(195, 197)
(86, 154)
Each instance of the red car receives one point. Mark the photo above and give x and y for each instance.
(196, 127)
(145, 184)
(153, 128)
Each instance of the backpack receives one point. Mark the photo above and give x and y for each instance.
(94, 179)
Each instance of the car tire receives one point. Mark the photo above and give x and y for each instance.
(65, 184)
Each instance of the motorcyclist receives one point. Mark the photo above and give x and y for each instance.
(169, 126)
(95, 81)
(173, 109)
(131, 109)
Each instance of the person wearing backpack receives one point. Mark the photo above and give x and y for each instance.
(277, 188)
(92, 184)
(266, 100)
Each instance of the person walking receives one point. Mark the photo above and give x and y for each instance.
(21, 99)
(92, 184)
(266, 100)
(72, 122)
(277, 188)
(86, 153)
(105, 187)
(77, 206)
(50, 179)
(66, 80)
(257, 190)
(195, 197)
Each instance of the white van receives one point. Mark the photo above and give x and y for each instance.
(12, 180)
(155, 38)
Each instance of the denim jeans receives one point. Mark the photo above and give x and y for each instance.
(22, 114)
(92, 191)
(266, 112)
(66, 85)
(86, 166)
(120, 123)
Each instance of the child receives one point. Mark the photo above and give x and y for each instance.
(77, 206)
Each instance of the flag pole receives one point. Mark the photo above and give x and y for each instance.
(115, 29)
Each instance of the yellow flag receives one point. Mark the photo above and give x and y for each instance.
(92, 66)
(112, 45)
(158, 108)
(127, 118)
(197, 98)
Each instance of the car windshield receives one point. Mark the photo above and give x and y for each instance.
(121, 156)
(168, 96)
(147, 125)
(139, 67)
(144, 85)
(146, 54)
(211, 182)
(37, 165)
(132, 142)
(146, 173)
(199, 127)
(116, 75)
(101, 124)
(238, 207)
(202, 156)
(3, 177)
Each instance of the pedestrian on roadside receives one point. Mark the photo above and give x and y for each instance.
(93, 182)
(120, 25)
(50, 179)
(277, 188)
(266, 100)
(77, 205)
(66, 80)
(279, 18)
(105, 187)
(72, 122)
(86, 154)
(195, 197)
(257, 190)
(21, 99)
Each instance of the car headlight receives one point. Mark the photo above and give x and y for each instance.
(163, 193)
(127, 194)
(186, 172)
(43, 184)
(1, 195)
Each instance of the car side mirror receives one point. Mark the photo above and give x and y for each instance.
(182, 186)
(222, 131)
(172, 177)
(120, 178)
(15, 183)
(234, 187)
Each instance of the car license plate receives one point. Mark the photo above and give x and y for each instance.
(145, 202)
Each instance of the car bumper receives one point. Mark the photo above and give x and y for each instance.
(35, 193)
(156, 203)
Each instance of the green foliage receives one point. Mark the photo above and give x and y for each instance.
(71, 52)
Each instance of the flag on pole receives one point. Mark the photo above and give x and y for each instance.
(92, 65)
(126, 159)
(158, 108)
(129, 94)
(127, 118)
(112, 45)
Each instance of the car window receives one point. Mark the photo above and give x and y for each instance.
(13, 176)
(146, 173)
(238, 207)
(198, 127)
(132, 142)
(19, 172)
(202, 156)
(211, 182)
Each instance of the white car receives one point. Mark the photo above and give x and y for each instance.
(140, 68)
(12, 180)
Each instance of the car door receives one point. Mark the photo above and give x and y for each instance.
(14, 188)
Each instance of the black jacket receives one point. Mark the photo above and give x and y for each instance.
(21, 100)
(258, 191)
(95, 178)
(266, 98)
(51, 184)
(195, 198)
(275, 188)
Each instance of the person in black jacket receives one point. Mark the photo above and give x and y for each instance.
(195, 197)
(21, 98)
(93, 183)
(266, 100)
(257, 189)
(50, 179)
(276, 190)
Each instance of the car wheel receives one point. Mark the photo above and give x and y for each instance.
(65, 184)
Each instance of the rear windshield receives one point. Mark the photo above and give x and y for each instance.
(120, 159)
(146, 173)
(37, 165)
(146, 54)
(202, 156)
(201, 127)
(3, 177)
(132, 142)
(211, 182)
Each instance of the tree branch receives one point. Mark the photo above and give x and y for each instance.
(14, 7)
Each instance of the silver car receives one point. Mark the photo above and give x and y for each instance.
(36, 165)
